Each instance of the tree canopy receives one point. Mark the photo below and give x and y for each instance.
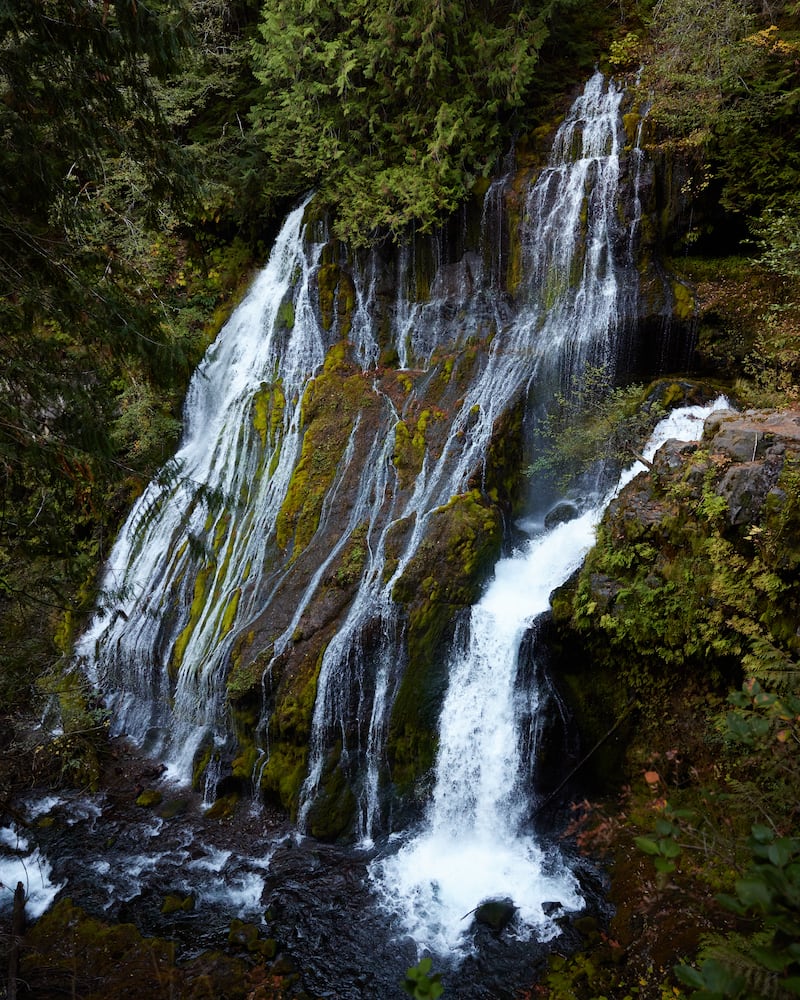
(392, 110)
(76, 103)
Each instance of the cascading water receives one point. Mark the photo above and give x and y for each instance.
(206, 577)
(577, 292)
(474, 845)
(581, 291)
(180, 571)
(199, 565)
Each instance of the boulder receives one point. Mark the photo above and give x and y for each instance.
(496, 913)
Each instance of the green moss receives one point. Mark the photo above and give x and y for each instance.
(199, 601)
(480, 187)
(285, 317)
(337, 294)
(173, 903)
(444, 575)
(95, 960)
(283, 775)
(268, 407)
(409, 451)
(345, 303)
(329, 407)
(630, 123)
(503, 478)
(202, 759)
(290, 729)
(244, 677)
(353, 558)
(248, 937)
(173, 808)
(327, 282)
(514, 205)
(333, 811)
(229, 615)
(683, 301)
(73, 757)
(243, 764)
(150, 797)
(674, 589)
(224, 807)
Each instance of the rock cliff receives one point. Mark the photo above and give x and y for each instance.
(694, 578)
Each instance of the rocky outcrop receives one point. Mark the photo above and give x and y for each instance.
(694, 576)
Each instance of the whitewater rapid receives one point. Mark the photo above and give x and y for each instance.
(474, 845)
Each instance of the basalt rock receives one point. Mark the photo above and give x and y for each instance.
(496, 913)
(694, 575)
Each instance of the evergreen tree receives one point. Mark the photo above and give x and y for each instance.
(84, 153)
(392, 110)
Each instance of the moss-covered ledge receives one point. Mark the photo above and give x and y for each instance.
(693, 579)
(444, 577)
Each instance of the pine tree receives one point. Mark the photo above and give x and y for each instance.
(76, 110)
(393, 110)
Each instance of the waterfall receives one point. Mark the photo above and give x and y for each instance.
(579, 292)
(571, 307)
(473, 845)
(180, 572)
(201, 569)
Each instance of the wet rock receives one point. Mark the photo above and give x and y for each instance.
(496, 913)
(604, 590)
(560, 514)
(173, 808)
(283, 966)
(745, 488)
(247, 937)
(149, 798)
(745, 437)
(175, 903)
(673, 454)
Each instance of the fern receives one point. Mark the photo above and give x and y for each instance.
(735, 953)
(771, 666)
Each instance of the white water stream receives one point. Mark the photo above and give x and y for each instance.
(197, 564)
(474, 846)
(576, 294)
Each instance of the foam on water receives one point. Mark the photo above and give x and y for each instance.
(240, 893)
(474, 845)
(32, 869)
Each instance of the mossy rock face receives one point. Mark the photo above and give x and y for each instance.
(268, 407)
(245, 674)
(336, 292)
(503, 481)
(683, 303)
(333, 811)
(443, 577)
(728, 299)
(694, 574)
(295, 680)
(224, 807)
(329, 407)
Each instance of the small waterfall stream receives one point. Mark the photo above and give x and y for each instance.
(474, 845)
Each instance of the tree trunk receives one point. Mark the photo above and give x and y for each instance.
(17, 927)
